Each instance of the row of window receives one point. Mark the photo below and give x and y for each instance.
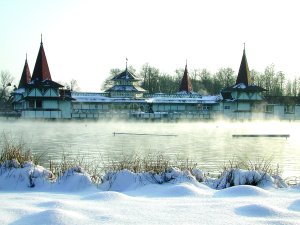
(126, 82)
(38, 104)
(122, 94)
(288, 109)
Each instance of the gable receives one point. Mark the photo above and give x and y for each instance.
(51, 93)
(35, 93)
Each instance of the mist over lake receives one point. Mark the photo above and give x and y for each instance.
(209, 144)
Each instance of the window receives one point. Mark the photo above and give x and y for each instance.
(226, 107)
(256, 107)
(289, 109)
(31, 104)
(39, 104)
(269, 109)
(206, 107)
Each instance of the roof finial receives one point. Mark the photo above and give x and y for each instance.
(244, 46)
(41, 39)
(126, 62)
(26, 56)
(185, 62)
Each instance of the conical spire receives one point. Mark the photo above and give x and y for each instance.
(244, 73)
(186, 84)
(41, 70)
(26, 76)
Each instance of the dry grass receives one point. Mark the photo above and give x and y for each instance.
(68, 162)
(263, 165)
(12, 149)
(155, 163)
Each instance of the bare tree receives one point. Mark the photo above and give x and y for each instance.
(6, 80)
(72, 85)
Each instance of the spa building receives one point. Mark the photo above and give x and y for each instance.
(38, 96)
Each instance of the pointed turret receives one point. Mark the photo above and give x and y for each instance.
(186, 84)
(41, 70)
(244, 73)
(26, 76)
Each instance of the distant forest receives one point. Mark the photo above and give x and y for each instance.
(207, 83)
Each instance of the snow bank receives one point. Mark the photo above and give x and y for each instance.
(295, 206)
(235, 177)
(173, 197)
(125, 180)
(14, 176)
(53, 216)
(74, 179)
(242, 191)
(258, 210)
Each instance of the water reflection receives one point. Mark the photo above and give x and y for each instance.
(208, 143)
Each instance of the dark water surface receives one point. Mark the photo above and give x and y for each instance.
(210, 144)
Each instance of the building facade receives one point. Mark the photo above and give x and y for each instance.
(41, 97)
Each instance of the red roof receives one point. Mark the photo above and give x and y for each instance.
(186, 84)
(41, 70)
(26, 76)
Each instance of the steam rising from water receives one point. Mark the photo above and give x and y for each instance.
(210, 144)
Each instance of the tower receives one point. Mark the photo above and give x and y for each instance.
(244, 73)
(186, 84)
(41, 70)
(26, 75)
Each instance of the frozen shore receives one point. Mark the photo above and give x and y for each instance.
(30, 195)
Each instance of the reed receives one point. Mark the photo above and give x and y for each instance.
(152, 162)
(18, 150)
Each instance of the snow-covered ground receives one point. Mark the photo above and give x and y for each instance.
(28, 195)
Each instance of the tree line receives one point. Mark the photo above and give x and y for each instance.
(207, 83)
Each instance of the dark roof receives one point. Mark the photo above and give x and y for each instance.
(41, 70)
(26, 76)
(125, 75)
(44, 83)
(243, 79)
(286, 100)
(186, 84)
(41, 97)
(244, 88)
(244, 73)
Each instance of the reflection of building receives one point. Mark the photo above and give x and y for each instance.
(40, 97)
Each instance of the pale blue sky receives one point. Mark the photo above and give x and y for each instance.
(83, 40)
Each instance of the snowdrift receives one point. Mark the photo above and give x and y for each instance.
(28, 176)
(14, 176)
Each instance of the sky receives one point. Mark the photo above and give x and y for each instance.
(83, 40)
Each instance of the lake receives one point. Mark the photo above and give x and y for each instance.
(210, 144)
